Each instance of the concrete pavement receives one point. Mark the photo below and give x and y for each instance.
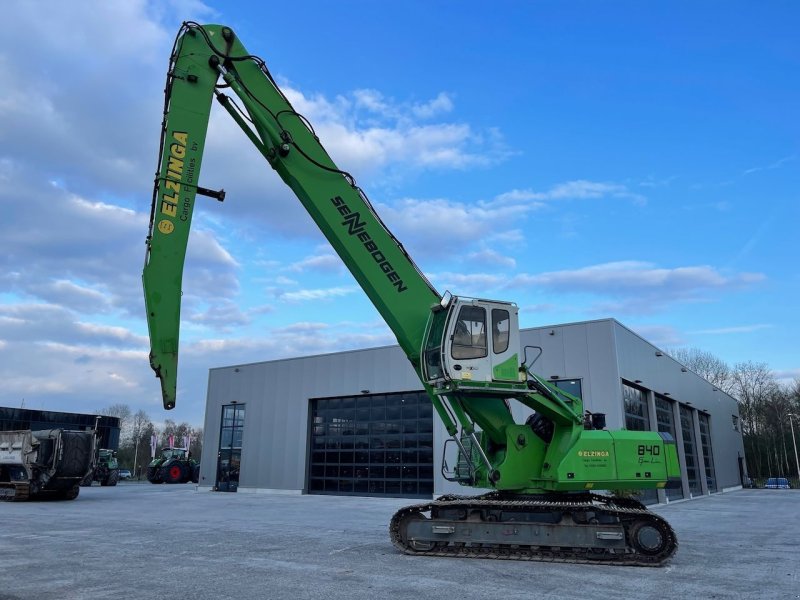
(148, 541)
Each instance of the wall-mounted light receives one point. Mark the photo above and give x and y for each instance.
(637, 381)
(659, 353)
(684, 369)
(667, 394)
(553, 376)
(236, 370)
(552, 332)
(365, 391)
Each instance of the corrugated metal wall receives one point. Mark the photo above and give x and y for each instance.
(599, 353)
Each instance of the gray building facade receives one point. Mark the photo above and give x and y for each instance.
(358, 422)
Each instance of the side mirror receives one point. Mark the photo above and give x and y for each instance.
(447, 298)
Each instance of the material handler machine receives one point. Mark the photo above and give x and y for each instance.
(543, 473)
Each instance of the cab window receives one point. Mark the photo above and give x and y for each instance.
(469, 336)
(500, 325)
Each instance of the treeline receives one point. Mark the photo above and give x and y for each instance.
(767, 408)
(137, 431)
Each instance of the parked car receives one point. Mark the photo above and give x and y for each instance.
(125, 474)
(777, 483)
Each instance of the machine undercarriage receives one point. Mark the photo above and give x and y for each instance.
(574, 528)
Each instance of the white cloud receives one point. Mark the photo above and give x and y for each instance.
(223, 314)
(317, 294)
(71, 294)
(632, 275)
(441, 104)
(637, 286)
(281, 280)
(539, 308)
(787, 376)
(418, 223)
(775, 165)
(87, 255)
(468, 283)
(302, 327)
(572, 190)
(317, 262)
(111, 332)
(730, 330)
(51, 323)
(490, 257)
(660, 335)
(391, 133)
(652, 182)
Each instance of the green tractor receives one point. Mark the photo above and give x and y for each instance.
(106, 469)
(175, 465)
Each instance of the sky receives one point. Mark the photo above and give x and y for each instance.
(627, 160)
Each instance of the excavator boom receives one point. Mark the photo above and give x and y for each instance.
(203, 61)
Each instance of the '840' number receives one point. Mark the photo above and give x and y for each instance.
(645, 450)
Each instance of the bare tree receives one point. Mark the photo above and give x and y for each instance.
(794, 396)
(713, 369)
(123, 413)
(196, 446)
(139, 424)
(755, 388)
(753, 382)
(169, 429)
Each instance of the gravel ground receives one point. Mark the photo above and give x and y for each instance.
(146, 541)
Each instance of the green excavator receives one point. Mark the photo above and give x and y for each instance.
(545, 474)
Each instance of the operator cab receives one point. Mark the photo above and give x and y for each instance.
(179, 453)
(472, 341)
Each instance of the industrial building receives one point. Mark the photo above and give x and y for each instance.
(17, 419)
(358, 422)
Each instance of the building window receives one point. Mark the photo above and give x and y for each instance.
(372, 445)
(666, 423)
(708, 456)
(500, 322)
(690, 450)
(469, 337)
(229, 457)
(637, 417)
(571, 386)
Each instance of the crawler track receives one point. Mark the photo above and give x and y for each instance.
(21, 491)
(570, 528)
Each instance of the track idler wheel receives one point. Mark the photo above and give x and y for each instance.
(414, 544)
(651, 538)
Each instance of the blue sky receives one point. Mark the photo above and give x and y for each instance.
(631, 160)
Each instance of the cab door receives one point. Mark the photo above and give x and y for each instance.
(504, 350)
(467, 354)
